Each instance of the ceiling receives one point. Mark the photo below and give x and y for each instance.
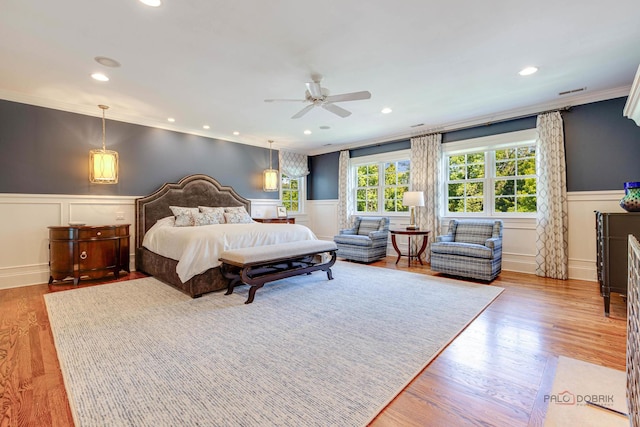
(437, 64)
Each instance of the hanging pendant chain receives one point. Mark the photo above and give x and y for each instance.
(104, 136)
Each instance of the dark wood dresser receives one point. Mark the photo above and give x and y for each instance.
(612, 236)
(276, 220)
(88, 251)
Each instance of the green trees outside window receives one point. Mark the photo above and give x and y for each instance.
(380, 186)
(492, 181)
(290, 193)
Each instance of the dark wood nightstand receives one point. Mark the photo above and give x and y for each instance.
(276, 220)
(88, 251)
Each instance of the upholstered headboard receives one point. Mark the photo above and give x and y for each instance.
(190, 191)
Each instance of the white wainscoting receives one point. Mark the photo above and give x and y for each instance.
(24, 218)
(519, 244)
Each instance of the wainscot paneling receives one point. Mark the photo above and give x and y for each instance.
(24, 218)
(519, 245)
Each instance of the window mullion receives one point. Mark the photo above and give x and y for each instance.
(490, 175)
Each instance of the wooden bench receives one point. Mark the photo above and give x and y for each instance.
(258, 265)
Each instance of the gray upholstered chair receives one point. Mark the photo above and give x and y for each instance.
(366, 241)
(472, 248)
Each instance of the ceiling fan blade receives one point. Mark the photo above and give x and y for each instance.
(315, 90)
(336, 110)
(302, 112)
(353, 96)
(284, 100)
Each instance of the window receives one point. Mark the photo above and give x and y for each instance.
(380, 182)
(290, 192)
(491, 176)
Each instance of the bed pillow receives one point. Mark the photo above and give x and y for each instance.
(236, 215)
(207, 218)
(216, 215)
(180, 210)
(185, 221)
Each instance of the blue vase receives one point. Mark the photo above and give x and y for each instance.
(631, 200)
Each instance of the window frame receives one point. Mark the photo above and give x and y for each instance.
(302, 194)
(488, 145)
(380, 159)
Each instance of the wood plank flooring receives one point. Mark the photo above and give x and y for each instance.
(495, 373)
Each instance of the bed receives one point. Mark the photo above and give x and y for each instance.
(193, 191)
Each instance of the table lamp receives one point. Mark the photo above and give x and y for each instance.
(413, 199)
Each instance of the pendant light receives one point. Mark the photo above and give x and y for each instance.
(270, 182)
(103, 163)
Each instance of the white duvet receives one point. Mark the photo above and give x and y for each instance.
(197, 249)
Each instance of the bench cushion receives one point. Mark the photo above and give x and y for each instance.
(267, 253)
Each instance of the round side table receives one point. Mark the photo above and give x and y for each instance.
(409, 234)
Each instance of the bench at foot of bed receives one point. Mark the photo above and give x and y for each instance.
(258, 265)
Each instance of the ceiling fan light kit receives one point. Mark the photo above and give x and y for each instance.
(318, 96)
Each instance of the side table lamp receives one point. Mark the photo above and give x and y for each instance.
(413, 199)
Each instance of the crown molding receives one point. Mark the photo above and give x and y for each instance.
(632, 107)
(564, 102)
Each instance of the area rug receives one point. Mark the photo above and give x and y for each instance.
(307, 351)
(577, 382)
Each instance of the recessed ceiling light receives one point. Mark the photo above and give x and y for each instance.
(307, 132)
(152, 3)
(528, 71)
(236, 133)
(107, 62)
(100, 77)
(206, 127)
(386, 110)
(171, 120)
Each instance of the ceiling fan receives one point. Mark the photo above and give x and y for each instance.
(318, 96)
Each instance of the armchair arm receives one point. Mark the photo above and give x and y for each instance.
(349, 231)
(495, 244)
(444, 238)
(380, 234)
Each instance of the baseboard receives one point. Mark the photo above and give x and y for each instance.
(29, 275)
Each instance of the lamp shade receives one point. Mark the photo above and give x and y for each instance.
(413, 198)
(270, 180)
(103, 167)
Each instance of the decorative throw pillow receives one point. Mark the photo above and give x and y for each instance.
(237, 218)
(207, 218)
(237, 215)
(216, 215)
(180, 210)
(184, 221)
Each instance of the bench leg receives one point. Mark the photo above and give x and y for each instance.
(252, 294)
(232, 284)
(329, 274)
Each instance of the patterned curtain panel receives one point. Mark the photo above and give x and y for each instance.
(345, 196)
(425, 176)
(293, 165)
(552, 258)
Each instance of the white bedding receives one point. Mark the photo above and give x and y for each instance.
(197, 249)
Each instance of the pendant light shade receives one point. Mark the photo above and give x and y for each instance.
(103, 163)
(270, 178)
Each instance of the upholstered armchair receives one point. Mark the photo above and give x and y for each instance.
(366, 241)
(472, 248)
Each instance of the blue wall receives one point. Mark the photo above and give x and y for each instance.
(46, 151)
(602, 148)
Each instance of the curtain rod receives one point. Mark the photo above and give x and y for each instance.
(523, 116)
(435, 130)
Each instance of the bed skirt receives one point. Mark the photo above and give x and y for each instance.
(164, 269)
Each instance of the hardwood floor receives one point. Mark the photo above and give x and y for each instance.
(496, 372)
